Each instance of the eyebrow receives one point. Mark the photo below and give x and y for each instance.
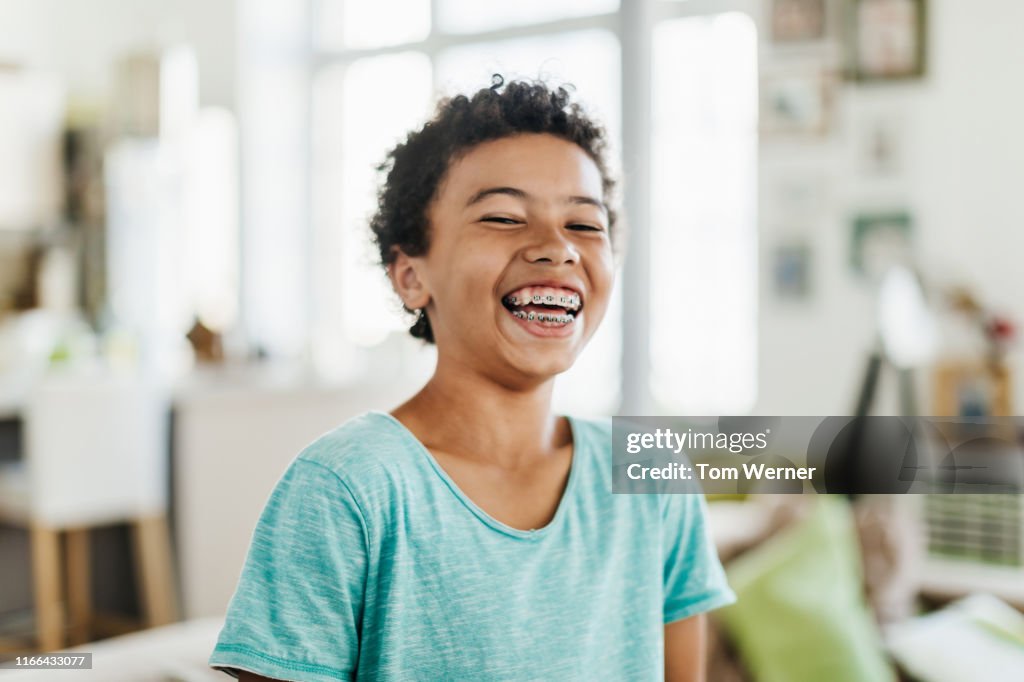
(520, 194)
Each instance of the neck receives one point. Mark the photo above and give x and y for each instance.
(462, 412)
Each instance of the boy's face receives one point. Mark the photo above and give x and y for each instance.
(520, 267)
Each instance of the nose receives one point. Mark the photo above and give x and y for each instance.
(550, 244)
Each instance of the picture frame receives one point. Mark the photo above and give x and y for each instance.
(878, 241)
(882, 147)
(966, 389)
(792, 276)
(796, 100)
(798, 21)
(886, 39)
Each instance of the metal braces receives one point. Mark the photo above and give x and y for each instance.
(542, 317)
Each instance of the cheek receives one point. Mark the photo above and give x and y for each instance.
(466, 282)
(602, 272)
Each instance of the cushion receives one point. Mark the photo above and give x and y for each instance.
(800, 614)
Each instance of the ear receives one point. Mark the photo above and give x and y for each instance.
(406, 277)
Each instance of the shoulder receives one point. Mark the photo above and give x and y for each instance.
(365, 453)
(357, 442)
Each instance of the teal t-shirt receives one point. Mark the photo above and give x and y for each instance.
(369, 563)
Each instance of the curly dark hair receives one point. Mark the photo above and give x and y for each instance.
(416, 167)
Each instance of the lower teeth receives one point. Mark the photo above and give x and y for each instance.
(542, 317)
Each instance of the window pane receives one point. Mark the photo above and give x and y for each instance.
(590, 61)
(273, 89)
(703, 231)
(467, 16)
(355, 123)
(210, 211)
(370, 23)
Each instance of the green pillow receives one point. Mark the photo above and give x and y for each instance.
(800, 614)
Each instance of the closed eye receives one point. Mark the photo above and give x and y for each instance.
(503, 221)
(576, 227)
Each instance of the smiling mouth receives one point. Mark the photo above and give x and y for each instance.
(544, 306)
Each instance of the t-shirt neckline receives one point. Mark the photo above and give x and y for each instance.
(489, 520)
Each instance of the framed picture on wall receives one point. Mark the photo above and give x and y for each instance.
(791, 271)
(882, 144)
(878, 241)
(964, 389)
(798, 21)
(796, 100)
(886, 39)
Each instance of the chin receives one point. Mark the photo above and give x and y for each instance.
(546, 368)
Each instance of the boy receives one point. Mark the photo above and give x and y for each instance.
(471, 534)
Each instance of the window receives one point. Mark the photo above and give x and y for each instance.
(273, 107)
(361, 110)
(704, 242)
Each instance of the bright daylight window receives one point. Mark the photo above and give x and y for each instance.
(704, 181)
(378, 68)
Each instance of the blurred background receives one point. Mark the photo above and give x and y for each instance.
(823, 209)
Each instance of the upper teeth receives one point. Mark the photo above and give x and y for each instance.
(546, 296)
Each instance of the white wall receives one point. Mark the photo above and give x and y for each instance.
(963, 152)
(80, 39)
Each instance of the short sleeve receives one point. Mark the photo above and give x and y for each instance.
(693, 577)
(296, 611)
